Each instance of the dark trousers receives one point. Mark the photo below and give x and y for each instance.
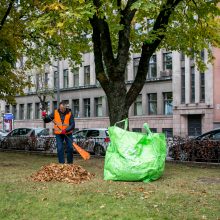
(60, 148)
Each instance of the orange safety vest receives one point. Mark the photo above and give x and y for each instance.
(58, 122)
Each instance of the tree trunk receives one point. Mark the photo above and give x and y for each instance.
(116, 96)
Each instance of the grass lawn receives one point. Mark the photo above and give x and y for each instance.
(183, 192)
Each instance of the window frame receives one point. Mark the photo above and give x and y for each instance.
(65, 78)
(87, 75)
(150, 102)
(87, 107)
(137, 103)
(167, 62)
(166, 101)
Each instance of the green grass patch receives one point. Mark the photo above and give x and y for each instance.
(183, 192)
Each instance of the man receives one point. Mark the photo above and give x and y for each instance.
(63, 128)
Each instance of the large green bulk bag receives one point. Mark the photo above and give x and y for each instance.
(134, 156)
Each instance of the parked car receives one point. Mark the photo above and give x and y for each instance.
(25, 138)
(2, 134)
(93, 140)
(211, 135)
(205, 147)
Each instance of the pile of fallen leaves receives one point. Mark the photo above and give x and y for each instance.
(70, 173)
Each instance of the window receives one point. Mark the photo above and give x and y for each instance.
(98, 107)
(46, 79)
(202, 87)
(21, 111)
(202, 55)
(37, 81)
(183, 89)
(152, 103)
(167, 61)
(7, 108)
(20, 132)
(86, 107)
(29, 81)
(153, 130)
(192, 84)
(65, 78)
(14, 111)
(138, 105)
(86, 75)
(97, 83)
(136, 129)
(182, 56)
(168, 132)
(23, 131)
(37, 110)
(75, 108)
(54, 105)
(56, 79)
(168, 103)
(194, 124)
(135, 65)
(81, 134)
(76, 77)
(152, 70)
(29, 111)
(66, 102)
(92, 133)
(15, 132)
(216, 136)
(126, 73)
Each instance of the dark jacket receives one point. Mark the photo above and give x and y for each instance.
(50, 117)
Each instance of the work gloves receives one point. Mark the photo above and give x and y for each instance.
(43, 114)
(63, 131)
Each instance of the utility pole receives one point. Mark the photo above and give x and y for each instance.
(58, 81)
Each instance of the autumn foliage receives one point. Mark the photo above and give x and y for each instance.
(69, 173)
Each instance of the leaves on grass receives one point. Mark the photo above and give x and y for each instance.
(102, 206)
(120, 195)
(70, 173)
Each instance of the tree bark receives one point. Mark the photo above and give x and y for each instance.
(3, 20)
(116, 96)
(112, 77)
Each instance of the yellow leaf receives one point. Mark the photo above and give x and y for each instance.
(60, 24)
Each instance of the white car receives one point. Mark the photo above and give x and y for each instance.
(93, 140)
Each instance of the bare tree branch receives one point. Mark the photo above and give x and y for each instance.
(124, 42)
(99, 68)
(105, 38)
(6, 14)
(148, 49)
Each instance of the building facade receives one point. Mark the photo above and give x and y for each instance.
(176, 99)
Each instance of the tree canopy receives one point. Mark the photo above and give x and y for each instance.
(66, 28)
(113, 30)
(11, 44)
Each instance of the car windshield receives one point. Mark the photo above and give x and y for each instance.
(41, 131)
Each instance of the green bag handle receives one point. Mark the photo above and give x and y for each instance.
(125, 123)
(146, 127)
